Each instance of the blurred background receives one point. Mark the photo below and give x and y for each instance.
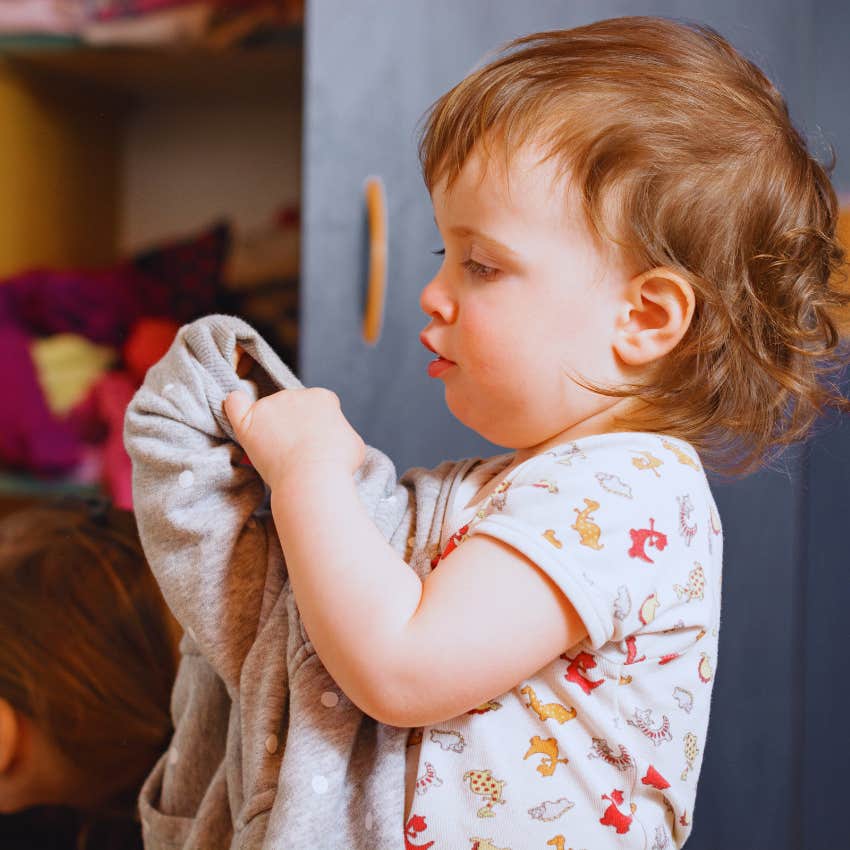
(163, 159)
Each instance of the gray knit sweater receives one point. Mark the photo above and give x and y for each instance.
(268, 752)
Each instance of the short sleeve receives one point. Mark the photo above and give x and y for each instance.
(601, 517)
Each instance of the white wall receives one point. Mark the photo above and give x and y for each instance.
(184, 166)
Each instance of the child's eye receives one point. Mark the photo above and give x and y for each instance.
(474, 268)
(478, 270)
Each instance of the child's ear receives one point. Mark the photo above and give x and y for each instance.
(9, 730)
(655, 311)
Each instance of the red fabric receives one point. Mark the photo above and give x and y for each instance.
(114, 391)
(101, 415)
(149, 339)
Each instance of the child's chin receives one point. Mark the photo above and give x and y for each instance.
(459, 407)
(473, 419)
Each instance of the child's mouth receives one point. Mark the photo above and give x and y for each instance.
(438, 366)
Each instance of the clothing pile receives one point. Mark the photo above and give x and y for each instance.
(75, 344)
(208, 23)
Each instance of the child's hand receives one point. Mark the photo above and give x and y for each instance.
(241, 362)
(294, 429)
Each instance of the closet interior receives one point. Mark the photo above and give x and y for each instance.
(141, 187)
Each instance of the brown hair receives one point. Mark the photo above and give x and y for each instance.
(87, 644)
(684, 155)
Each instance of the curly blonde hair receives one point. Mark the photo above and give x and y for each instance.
(684, 155)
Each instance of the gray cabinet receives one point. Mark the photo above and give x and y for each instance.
(773, 776)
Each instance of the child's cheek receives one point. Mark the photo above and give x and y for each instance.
(494, 346)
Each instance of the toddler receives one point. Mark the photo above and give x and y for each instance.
(635, 282)
(636, 286)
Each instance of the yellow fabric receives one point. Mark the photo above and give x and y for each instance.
(67, 366)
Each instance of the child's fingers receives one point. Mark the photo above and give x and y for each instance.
(242, 363)
(236, 407)
(236, 358)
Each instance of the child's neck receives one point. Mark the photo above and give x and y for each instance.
(608, 420)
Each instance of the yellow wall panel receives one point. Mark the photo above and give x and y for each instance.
(59, 174)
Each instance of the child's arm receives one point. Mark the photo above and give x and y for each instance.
(408, 652)
(217, 559)
(404, 652)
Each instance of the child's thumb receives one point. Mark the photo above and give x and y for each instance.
(236, 407)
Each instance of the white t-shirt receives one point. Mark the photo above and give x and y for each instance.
(603, 746)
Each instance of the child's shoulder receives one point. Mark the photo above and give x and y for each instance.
(618, 521)
(628, 472)
(640, 454)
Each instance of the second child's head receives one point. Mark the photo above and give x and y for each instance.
(636, 238)
(87, 659)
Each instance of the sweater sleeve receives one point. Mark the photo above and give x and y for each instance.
(197, 504)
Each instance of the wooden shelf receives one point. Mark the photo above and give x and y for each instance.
(168, 75)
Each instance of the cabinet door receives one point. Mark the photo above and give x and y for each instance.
(371, 70)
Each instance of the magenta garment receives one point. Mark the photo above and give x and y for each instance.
(109, 10)
(97, 305)
(100, 305)
(30, 436)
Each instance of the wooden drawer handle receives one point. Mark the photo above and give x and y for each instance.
(376, 208)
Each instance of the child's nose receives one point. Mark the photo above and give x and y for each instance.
(437, 300)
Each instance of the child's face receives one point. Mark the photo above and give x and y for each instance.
(514, 316)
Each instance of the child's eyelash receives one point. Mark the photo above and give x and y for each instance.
(472, 267)
(484, 272)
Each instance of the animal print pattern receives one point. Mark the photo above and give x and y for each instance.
(602, 747)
